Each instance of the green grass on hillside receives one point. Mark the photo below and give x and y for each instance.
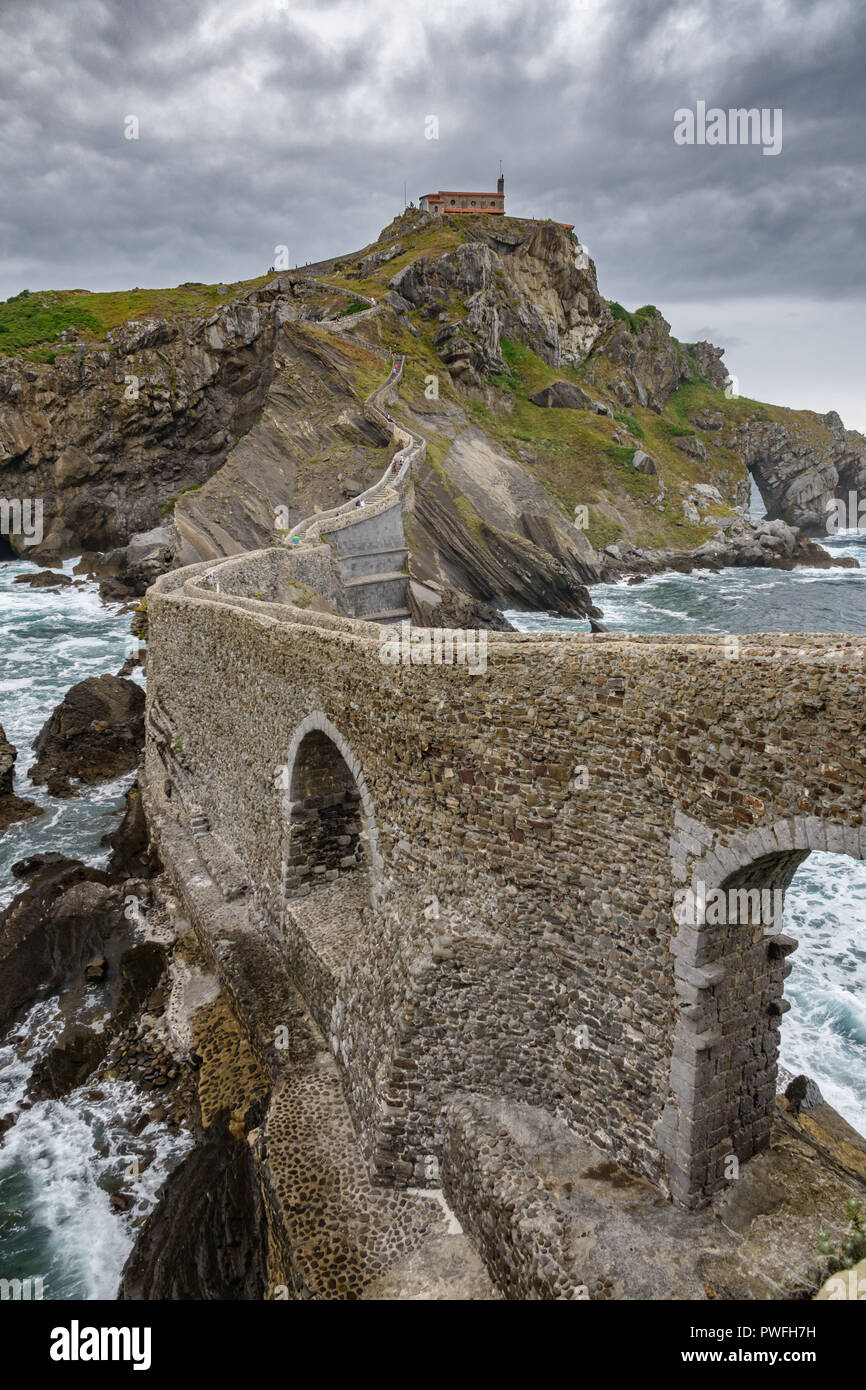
(31, 322)
(638, 319)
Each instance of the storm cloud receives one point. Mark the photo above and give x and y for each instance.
(264, 123)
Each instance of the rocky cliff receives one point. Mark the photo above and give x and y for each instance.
(567, 437)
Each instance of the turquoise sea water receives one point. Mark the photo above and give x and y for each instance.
(62, 1159)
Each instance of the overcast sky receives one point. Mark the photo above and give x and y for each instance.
(268, 122)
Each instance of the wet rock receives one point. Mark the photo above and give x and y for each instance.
(43, 579)
(12, 808)
(129, 570)
(141, 969)
(8, 754)
(95, 734)
(39, 863)
(132, 854)
(68, 1063)
(206, 1238)
(50, 931)
(803, 1094)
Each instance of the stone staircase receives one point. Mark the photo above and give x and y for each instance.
(366, 535)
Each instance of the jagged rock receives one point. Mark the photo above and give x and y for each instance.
(95, 734)
(530, 286)
(803, 1093)
(242, 411)
(643, 463)
(436, 605)
(381, 257)
(71, 437)
(12, 808)
(692, 445)
(43, 579)
(8, 754)
(710, 365)
(132, 853)
(52, 929)
(396, 302)
(68, 1063)
(650, 356)
(207, 1236)
(708, 420)
(802, 467)
(562, 395)
(707, 491)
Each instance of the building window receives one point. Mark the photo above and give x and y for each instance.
(472, 204)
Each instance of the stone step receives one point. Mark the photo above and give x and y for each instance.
(375, 579)
(393, 615)
(365, 563)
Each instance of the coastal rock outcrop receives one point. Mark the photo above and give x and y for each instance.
(527, 283)
(803, 465)
(187, 435)
(12, 808)
(103, 435)
(207, 1238)
(52, 928)
(95, 734)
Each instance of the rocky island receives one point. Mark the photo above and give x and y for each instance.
(404, 1081)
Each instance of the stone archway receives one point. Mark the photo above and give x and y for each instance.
(330, 823)
(730, 967)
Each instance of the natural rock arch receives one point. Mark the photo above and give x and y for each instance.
(730, 977)
(315, 829)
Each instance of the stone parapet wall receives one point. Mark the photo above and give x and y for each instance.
(532, 824)
(512, 1219)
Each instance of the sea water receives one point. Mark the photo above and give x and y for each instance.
(62, 1159)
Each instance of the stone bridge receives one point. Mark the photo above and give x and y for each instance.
(475, 877)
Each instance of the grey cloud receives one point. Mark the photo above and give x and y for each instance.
(264, 124)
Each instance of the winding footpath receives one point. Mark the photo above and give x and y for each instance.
(369, 567)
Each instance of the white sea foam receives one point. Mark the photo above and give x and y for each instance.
(64, 1157)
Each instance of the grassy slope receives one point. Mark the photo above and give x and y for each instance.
(31, 324)
(576, 457)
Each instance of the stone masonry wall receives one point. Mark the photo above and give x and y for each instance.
(527, 830)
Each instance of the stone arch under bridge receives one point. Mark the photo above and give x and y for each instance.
(330, 821)
(731, 965)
